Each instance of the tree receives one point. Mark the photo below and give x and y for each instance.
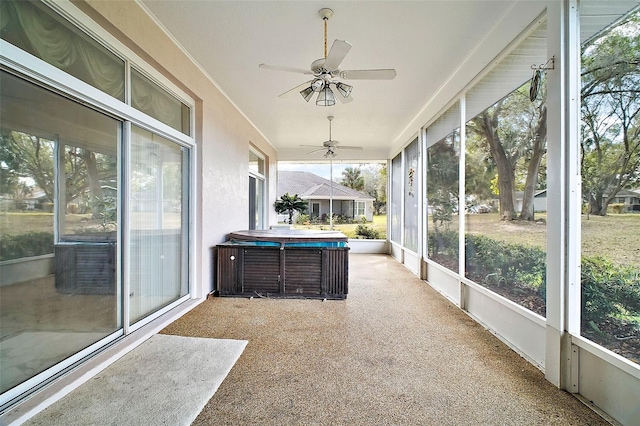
(375, 184)
(514, 132)
(352, 178)
(443, 164)
(290, 204)
(29, 156)
(610, 107)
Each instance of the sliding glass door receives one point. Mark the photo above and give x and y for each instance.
(158, 217)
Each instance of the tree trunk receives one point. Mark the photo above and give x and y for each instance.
(506, 179)
(527, 212)
(95, 189)
(595, 204)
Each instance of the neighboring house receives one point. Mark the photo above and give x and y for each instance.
(629, 197)
(316, 191)
(539, 201)
(37, 200)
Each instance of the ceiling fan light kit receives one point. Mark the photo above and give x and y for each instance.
(326, 97)
(326, 72)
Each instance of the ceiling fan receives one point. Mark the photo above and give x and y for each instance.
(326, 72)
(331, 146)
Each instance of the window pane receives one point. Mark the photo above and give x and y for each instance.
(153, 100)
(443, 161)
(396, 198)
(63, 297)
(610, 166)
(411, 196)
(41, 32)
(90, 193)
(256, 164)
(158, 216)
(505, 183)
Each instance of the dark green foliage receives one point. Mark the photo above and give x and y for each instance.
(25, 245)
(367, 233)
(508, 264)
(608, 290)
(443, 242)
(290, 204)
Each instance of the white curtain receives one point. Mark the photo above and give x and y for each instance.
(64, 48)
(157, 211)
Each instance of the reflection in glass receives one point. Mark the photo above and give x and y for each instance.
(158, 223)
(411, 196)
(396, 198)
(57, 295)
(150, 98)
(443, 159)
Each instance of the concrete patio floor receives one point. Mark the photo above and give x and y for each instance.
(395, 352)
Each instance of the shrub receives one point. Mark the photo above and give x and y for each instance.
(302, 219)
(608, 290)
(488, 259)
(25, 245)
(443, 243)
(615, 208)
(367, 233)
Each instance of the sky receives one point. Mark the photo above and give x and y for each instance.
(322, 170)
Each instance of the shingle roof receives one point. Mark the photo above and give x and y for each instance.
(310, 186)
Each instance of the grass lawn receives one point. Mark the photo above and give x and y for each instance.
(614, 237)
(15, 223)
(349, 229)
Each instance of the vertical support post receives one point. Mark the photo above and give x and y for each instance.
(562, 132)
(462, 201)
(331, 193)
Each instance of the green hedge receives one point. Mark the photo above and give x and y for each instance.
(610, 292)
(26, 245)
(367, 233)
(506, 264)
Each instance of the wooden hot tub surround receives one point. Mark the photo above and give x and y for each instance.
(283, 263)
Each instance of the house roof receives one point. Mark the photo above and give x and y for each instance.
(313, 187)
(538, 193)
(628, 193)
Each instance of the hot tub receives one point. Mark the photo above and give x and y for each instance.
(283, 263)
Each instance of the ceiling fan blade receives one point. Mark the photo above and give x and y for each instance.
(338, 51)
(296, 89)
(348, 147)
(316, 150)
(313, 146)
(383, 74)
(343, 99)
(283, 68)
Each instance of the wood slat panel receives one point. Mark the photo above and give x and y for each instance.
(303, 271)
(336, 271)
(228, 265)
(261, 270)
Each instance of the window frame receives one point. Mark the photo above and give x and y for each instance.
(261, 181)
(36, 71)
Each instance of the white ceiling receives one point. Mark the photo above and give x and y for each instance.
(437, 47)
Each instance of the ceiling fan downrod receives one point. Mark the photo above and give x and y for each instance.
(325, 14)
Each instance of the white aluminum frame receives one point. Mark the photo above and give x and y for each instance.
(16, 60)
